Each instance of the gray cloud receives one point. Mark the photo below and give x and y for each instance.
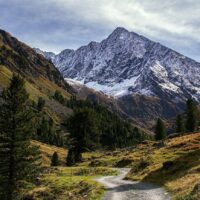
(54, 25)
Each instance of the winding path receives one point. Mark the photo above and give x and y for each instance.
(119, 189)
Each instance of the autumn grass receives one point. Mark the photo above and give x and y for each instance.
(47, 152)
(146, 161)
(5, 75)
(76, 183)
(180, 178)
(41, 87)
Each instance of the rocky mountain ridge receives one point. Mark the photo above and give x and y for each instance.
(147, 79)
(127, 63)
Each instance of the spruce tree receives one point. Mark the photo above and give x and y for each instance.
(19, 161)
(40, 104)
(192, 116)
(70, 159)
(180, 127)
(160, 131)
(84, 132)
(59, 97)
(55, 159)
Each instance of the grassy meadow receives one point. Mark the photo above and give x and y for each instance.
(181, 178)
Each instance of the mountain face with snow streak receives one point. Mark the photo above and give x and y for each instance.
(127, 64)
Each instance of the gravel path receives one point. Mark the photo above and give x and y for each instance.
(119, 189)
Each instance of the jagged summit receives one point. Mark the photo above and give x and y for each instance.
(118, 31)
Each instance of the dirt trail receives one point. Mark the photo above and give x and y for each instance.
(119, 189)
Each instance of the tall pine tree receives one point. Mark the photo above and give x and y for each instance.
(192, 116)
(180, 127)
(19, 161)
(160, 131)
(55, 159)
(84, 133)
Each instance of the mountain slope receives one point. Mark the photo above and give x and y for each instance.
(128, 66)
(22, 59)
(41, 76)
(43, 80)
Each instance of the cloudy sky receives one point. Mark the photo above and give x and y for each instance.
(54, 25)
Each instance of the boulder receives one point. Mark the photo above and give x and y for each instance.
(168, 165)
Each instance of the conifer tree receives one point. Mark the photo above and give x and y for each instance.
(114, 131)
(192, 116)
(40, 104)
(59, 97)
(70, 159)
(55, 159)
(160, 131)
(19, 161)
(180, 127)
(84, 132)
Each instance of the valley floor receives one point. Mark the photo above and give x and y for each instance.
(174, 165)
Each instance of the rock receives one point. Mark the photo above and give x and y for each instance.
(168, 165)
(160, 144)
(145, 142)
(143, 164)
(95, 163)
(123, 163)
(196, 189)
(174, 135)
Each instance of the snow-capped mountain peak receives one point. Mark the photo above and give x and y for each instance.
(127, 63)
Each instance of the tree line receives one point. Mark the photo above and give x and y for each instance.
(189, 121)
(85, 135)
(93, 126)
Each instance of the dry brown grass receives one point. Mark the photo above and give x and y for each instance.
(146, 161)
(181, 178)
(5, 75)
(41, 87)
(47, 152)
